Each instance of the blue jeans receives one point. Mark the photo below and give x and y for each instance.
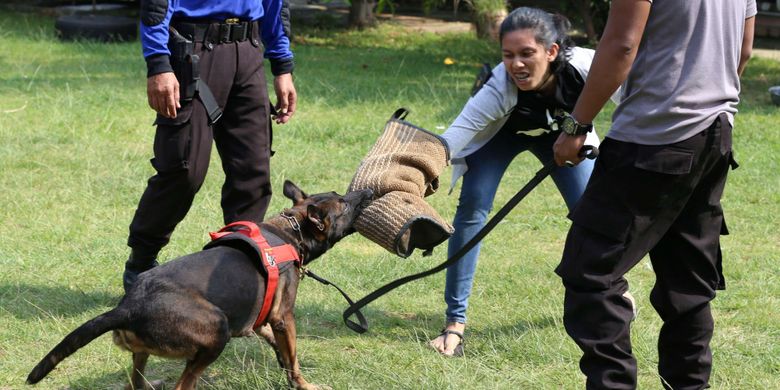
(486, 167)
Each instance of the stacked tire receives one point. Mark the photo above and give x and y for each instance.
(103, 28)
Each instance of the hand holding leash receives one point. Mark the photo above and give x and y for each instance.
(569, 148)
(587, 151)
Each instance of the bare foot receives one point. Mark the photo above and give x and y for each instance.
(446, 343)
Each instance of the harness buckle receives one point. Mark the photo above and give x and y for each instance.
(232, 20)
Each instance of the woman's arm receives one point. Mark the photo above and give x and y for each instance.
(613, 59)
(487, 106)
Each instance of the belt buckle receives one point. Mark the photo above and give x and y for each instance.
(232, 21)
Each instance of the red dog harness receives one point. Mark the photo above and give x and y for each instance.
(270, 258)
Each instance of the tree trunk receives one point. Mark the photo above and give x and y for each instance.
(590, 29)
(488, 24)
(361, 13)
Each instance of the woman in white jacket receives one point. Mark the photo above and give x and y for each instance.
(539, 79)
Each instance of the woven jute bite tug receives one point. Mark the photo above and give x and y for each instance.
(402, 168)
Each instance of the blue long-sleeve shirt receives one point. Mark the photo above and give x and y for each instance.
(154, 38)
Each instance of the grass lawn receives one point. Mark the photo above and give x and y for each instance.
(76, 140)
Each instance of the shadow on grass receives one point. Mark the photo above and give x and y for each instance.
(112, 381)
(35, 301)
(519, 327)
(166, 370)
(318, 321)
(245, 363)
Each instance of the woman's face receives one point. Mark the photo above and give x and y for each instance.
(526, 61)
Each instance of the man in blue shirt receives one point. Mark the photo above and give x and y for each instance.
(205, 80)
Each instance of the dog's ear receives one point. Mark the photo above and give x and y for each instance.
(292, 192)
(315, 217)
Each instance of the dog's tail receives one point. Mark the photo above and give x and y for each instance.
(80, 337)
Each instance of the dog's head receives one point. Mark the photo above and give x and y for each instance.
(324, 218)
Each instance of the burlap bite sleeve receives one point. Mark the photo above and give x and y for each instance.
(401, 168)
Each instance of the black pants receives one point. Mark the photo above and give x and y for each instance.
(663, 200)
(182, 147)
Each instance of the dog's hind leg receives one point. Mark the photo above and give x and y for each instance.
(195, 367)
(209, 349)
(137, 380)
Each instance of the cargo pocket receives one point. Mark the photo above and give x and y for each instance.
(606, 217)
(661, 177)
(183, 116)
(596, 242)
(664, 159)
(171, 148)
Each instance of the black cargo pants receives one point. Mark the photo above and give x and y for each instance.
(662, 200)
(182, 146)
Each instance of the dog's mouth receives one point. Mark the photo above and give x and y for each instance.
(363, 204)
(367, 198)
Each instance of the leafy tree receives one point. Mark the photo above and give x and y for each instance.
(597, 17)
(591, 13)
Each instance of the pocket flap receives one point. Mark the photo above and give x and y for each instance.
(662, 159)
(183, 115)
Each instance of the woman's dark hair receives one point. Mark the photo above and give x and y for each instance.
(547, 28)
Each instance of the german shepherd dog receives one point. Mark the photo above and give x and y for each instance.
(190, 307)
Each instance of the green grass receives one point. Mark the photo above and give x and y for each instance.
(76, 139)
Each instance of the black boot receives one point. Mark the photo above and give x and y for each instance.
(135, 265)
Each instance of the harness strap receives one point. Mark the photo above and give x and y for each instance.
(270, 258)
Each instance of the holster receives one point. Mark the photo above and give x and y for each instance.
(186, 67)
(181, 49)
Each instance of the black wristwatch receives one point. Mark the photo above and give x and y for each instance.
(570, 126)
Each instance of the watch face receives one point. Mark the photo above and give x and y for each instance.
(569, 126)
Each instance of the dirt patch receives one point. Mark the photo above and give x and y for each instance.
(427, 24)
(336, 13)
(767, 53)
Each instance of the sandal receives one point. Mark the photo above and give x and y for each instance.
(458, 351)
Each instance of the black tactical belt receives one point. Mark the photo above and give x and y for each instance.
(232, 30)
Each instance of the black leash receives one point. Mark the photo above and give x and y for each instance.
(363, 323)
(588, 151)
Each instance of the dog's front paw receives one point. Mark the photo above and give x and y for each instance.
(312, 386)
